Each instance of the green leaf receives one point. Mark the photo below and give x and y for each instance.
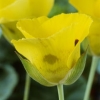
(33, 72)
(8, 80)
(76, 71)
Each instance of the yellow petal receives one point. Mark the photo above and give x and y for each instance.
(61, 21)
(74, 56)
(84, 6)
(97, 8)
(76, 71)
(32, 28)
(41, 7)
(94, 37)
(18, 9)
(54, 25)
(4, 3)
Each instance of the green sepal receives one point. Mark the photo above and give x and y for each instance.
(34, 73)
(76, 71)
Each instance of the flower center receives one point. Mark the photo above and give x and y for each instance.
(51, 59)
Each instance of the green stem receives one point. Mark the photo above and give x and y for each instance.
(27, 86)
(60, 91)
(94, 64)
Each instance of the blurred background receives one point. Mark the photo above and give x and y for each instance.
(12, 72)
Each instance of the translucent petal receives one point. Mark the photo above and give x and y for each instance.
(76, 71)
(74, 56)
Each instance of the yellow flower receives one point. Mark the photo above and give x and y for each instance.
(51, 47)
(92, 8)
(11, 10)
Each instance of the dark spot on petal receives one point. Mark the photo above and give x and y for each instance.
(51, 59)
(11, 30)
(76, 41)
